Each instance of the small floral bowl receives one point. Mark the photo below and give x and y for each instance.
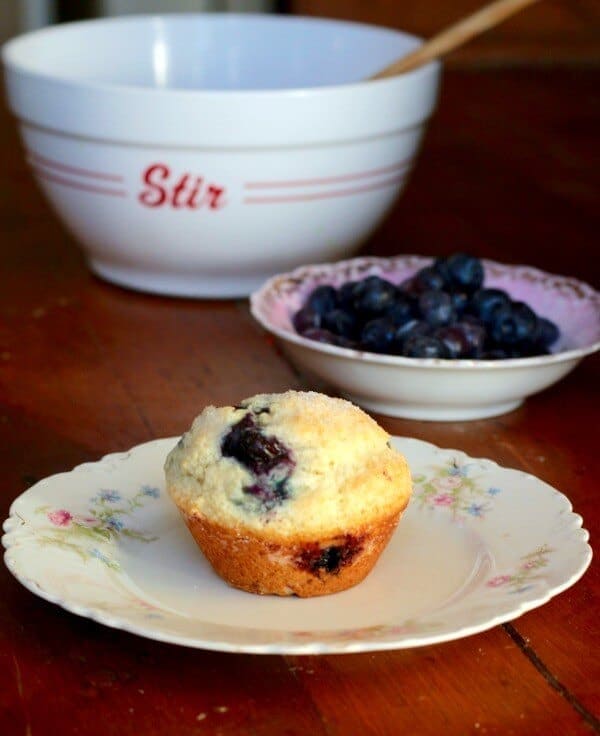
(432, 388)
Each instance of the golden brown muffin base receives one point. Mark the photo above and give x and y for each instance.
(271, 566)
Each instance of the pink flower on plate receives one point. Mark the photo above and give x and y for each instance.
(443, 499)
(60, 517)
(498, 581)
(529, 565)
(447, 482)
(88, 521)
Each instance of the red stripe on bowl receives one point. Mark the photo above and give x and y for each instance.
(308, 196)
(36, 159)
(77, 184)
(329, 179)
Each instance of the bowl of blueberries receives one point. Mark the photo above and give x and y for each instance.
(447, 339)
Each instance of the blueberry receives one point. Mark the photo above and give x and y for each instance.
(321, 335)
(305, 319)
(472, 320)
(316, 559)
(412, 328)
(494, 354)
(345, 295)
(529, 348)
(377, 335)
(322, 299)
(454, 340)
(401, 311)
(441, 266)
(513, 324)
(475, 335)
(410, 287)
(269, 494)
(504, 328)
(423, 346)
(465, 272)
(436, 307)
(374, 297)
(249, 446)
(460, 299)
(526, 320)
(345, 342)
(546, 334)
(330, 559)
(340, 322)
(428, 278)
(326, 337)
(485, 302)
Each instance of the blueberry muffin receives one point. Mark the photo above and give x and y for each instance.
(289, 494)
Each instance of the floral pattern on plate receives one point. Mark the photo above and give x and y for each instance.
(104, 521)
(520, 580)
(104, 541)
(457, 488)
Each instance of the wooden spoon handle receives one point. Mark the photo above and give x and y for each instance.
(455, 35)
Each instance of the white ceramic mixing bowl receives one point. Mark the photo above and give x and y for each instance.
(199, 154)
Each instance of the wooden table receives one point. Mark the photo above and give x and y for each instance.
(87, 368)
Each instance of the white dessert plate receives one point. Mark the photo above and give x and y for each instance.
(478, 545)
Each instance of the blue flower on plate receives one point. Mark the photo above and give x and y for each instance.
(461, 470)
(455, 469)
(522, 589)
(115, 524)
(493, 491)
(476, 509)
(95, 552)
(150, 491)
(109, 496)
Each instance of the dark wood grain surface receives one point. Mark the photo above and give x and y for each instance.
(509, 171)
(549, 33)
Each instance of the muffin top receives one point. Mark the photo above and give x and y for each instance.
(297, 463)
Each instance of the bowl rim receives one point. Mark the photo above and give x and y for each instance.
(259, 312)
(8, 50)
(275, 119)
